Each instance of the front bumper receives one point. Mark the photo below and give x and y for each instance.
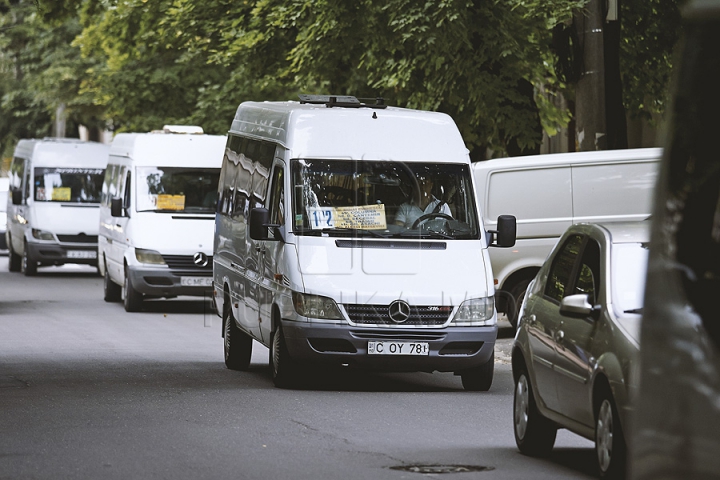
(452, 349)
(59, 254)
(163, 282)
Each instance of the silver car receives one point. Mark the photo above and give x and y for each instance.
(577, 339)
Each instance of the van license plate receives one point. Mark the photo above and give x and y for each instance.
(82, 254)
(196, 281)
(398, 348)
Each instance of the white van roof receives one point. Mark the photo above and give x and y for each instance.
(572, 158)
(162, 149)
(364, 133)
(63, 152)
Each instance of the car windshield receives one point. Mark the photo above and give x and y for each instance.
(629, 267)
(68, 185)
(177, 189)
(383, 199)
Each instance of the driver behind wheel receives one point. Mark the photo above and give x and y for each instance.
(423, 203)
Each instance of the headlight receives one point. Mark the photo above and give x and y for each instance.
(315, 306)
(476, 311)
(42, 235)
(149, 256)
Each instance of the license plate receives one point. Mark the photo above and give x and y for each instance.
(196, 281)
(82, 254)
(398, 348)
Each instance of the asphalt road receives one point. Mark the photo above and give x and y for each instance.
(90, 391)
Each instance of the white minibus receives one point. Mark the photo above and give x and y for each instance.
(349, 234)
(53, 206)
(156, 215)
(547, 194)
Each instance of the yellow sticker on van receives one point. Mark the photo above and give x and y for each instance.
(367, 217)
(61, 194)
(171, 202)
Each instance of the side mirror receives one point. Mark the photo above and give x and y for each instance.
(506, 232)
(576, 306)
(259, 219)
(17, 197)
(116, 207)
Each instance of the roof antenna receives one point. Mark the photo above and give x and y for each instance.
(374, 115)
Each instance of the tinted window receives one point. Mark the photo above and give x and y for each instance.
(588, 278)
(562, 267)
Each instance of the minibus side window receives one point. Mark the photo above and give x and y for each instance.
(126, 196)
(277, 206)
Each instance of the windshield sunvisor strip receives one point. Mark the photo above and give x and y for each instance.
(391, 244)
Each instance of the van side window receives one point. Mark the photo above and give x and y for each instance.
(277, 204)
(17, 171)
(126, 195)
(562, 268)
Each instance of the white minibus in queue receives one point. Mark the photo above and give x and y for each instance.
(547, 194)
(349, 234)
(53, 206)
(676, 420)
(156, 214)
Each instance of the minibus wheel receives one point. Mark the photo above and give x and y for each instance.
(237, 345)
(284, 370)
(14, 260)
(479, 379)
(29, 265)
(534, 434)
(132, 299)
(113, 291)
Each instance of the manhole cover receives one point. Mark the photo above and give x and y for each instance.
(435, 469)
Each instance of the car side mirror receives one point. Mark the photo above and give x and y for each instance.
(17, 197)
(116, 207)
(577, 306)
(506, 232)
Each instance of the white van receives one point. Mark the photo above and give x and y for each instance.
(4, 189)
(349, 234)
(52, 214)
(156, 214)
(547, 194)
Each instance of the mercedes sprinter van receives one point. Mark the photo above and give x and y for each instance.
(349, 234)
(157, 213)
(54, 203)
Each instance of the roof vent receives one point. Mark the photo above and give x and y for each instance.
(190, 129)
(345, 101)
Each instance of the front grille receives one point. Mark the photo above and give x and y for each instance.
(426, 316)
(417, 336)
(82, 238)
(185, 263)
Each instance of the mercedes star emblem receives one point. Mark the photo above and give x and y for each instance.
(200, 259)
(399, 311)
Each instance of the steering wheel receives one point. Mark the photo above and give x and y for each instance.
(428, 216)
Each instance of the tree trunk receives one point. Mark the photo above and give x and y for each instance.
(590, 91)
(617, 136)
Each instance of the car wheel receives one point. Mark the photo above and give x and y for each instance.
(113, 291)
(285, 371)
(610, 446)
(14, 260)
(479, 379)
(131, 297)
(237, 344)
(534, 434)
(29, 265)
(517, 294)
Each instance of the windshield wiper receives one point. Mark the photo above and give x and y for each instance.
(426, 234)
(634, 310)
(363, 231)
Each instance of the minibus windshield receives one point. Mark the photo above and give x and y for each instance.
(177, 189)
(383, 198)
(68, 185)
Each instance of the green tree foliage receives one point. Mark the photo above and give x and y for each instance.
(146, 63)
(650, 30)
